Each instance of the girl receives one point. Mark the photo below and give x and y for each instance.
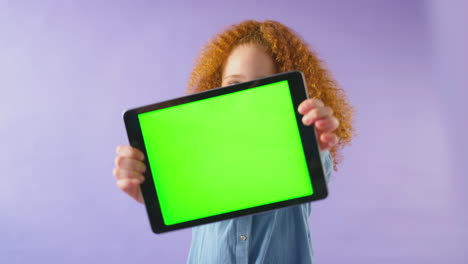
(244, 52)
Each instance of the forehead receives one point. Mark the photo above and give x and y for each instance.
(249, 59)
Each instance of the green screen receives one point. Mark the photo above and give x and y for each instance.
(226, 153)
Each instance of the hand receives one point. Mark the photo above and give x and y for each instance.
(314, 112)
(129, 170)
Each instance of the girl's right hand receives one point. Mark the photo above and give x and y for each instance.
(129, 170)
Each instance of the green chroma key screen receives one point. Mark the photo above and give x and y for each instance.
(226, 153)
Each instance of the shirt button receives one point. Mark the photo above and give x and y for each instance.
(243, 237)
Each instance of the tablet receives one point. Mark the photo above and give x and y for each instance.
(227, 152)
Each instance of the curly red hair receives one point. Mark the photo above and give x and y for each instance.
(289, 52)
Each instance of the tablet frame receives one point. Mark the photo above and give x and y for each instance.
(298, 93)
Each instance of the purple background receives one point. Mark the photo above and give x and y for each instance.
(69, 68)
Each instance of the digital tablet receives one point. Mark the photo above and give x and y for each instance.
(227, 152)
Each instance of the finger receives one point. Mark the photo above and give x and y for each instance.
(315, 114)
(328, 124)
(121, 174)
(309, 104)
(132, 188)
(130, 152)
(130, 164)
(327, 141)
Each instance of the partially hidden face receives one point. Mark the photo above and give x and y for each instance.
(245, 63)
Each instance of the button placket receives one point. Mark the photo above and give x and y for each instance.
(243, 226)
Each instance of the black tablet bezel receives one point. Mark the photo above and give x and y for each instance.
(308, 136)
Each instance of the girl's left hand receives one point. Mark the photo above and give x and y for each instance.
(314, 111)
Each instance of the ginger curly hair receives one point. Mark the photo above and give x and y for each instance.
(289, 52)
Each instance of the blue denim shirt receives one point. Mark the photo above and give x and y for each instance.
(277, 236)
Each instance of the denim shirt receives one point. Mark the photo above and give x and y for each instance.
(277, 236)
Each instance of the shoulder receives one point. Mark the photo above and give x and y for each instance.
(327, 163)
